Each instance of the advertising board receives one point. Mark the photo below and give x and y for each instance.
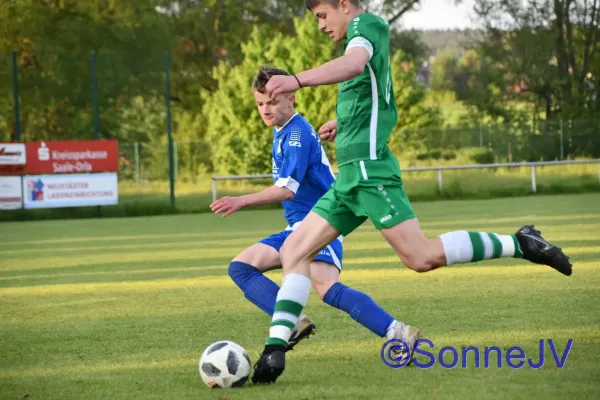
(12, 158)
(69, 157)
(10, 193)
(70, 190)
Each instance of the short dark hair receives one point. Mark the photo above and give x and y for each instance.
(264, 74)
(310, 4)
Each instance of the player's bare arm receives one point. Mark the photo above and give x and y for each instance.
(228, 205)
(338, 70)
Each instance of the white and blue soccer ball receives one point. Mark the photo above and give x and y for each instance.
(224, 364)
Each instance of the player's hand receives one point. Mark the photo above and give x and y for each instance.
(328, 131)
(281, 84)
(227, 206)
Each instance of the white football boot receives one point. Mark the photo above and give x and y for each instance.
(303, 329)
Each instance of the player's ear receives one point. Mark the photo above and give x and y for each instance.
(292, 99)
(345, 6)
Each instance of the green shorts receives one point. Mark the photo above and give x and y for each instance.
(369, 189)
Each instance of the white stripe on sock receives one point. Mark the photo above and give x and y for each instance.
(296, 288)
(457, 247)
(285, 316)
(488, 246)
(281, 332)
(508, 245)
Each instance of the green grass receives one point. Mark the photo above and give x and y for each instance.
(123, 308)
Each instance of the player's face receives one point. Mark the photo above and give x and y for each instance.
(333, 21)
(277, 111)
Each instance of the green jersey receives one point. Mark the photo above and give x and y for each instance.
(366, 110)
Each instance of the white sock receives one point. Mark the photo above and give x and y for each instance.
(291, 299)
(465, 246)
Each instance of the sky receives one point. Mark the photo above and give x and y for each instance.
(439, 14)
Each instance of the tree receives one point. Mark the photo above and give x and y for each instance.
(412, 112)
(547, 48)
(54, 40)
(444, 71)
(240, 142)
(208, 32)
(239, 139)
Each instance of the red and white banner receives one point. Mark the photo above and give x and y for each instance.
(72, 190)
(10, 193)
(12, 158)
(70, 157)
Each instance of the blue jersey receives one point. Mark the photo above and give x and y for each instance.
(300, 164)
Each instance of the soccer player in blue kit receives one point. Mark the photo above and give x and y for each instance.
(301, 175)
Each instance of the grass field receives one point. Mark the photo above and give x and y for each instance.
(123, 308)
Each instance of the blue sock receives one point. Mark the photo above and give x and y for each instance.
(360, 307)
(257, 288)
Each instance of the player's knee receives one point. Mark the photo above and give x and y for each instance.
(417, 265)
(420, 262)
(323, 286)
(240, 272)
(288, 257)
(323, 277)
(244, 257)
(421, 257)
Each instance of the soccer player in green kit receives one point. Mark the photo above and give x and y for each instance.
(369, 184)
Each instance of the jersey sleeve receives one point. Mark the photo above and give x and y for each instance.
(364, 31)
(296, 157)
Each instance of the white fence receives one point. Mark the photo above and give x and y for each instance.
(439, 170)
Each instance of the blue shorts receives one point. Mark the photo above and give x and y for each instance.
(332, 253)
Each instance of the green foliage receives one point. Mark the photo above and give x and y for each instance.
(209, 32)
(239, 139)
(413, 113)
(194, 156)
(54, 40)
(545, 53)
(524, 71)
(444, 71)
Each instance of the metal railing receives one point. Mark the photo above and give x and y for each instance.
(439, 170)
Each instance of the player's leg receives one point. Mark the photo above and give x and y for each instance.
(423, 254)
(247, 271)
(358, 305)
(325, 274)
(297, 254)
(391, 212)
(329, 219)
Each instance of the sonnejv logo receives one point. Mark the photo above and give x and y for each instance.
(395, 354)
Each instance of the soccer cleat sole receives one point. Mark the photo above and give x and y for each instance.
(417, 336)
(550, 255)
(306, 333)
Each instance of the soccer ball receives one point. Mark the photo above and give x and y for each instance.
(224, 364)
